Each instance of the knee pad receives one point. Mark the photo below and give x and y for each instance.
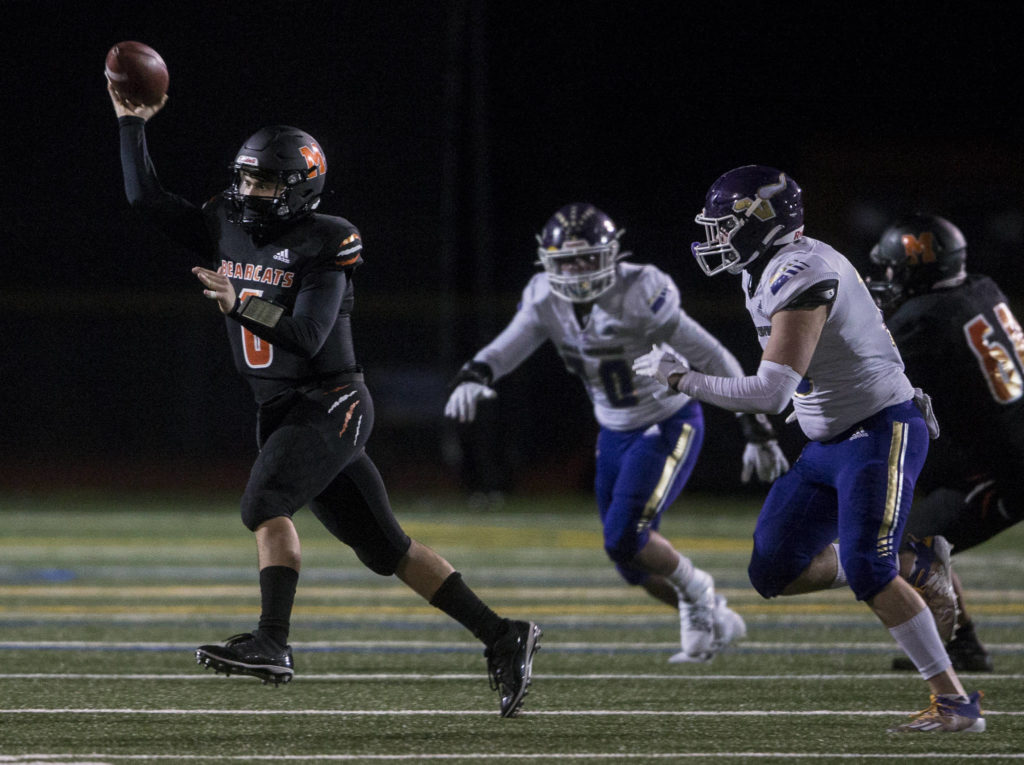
(623, 548)
(867, 574)
(258, 511)
(631, 574)
(382, 560)
(770, 576)
(761, 578)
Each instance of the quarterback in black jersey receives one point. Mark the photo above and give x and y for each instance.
(282, 276)
(943, 318)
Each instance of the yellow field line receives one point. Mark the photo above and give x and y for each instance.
(512, 538)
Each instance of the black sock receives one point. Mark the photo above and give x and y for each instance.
(458, 601)
(277, 591)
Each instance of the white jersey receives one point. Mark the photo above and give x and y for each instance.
(641, 309)
(855, 370)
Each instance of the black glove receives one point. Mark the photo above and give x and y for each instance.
(757, 429)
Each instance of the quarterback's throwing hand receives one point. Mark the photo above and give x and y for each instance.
(661, 363)
(461, 404)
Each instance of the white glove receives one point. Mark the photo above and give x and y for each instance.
(661, 363)
(924, 403)
(461, 404)
(766, 459)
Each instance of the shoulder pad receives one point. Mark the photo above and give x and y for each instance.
(211, 202)
(652, 292)
(536, 290)
(342, 246)
(791, 275)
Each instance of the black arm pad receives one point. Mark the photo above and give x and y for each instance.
(757, 429)
(822, 293)
(473, 371)
(260, 311)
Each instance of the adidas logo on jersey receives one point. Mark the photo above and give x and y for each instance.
(283, 256)
(858, 433)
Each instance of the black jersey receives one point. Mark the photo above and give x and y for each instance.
(965, 348)
(305, 268)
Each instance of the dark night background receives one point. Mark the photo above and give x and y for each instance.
(452, 131)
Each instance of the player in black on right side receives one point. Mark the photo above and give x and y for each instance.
(962, 344)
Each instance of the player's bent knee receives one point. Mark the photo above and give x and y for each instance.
(631, 574)
(622, 547)
(255, 514)
(767, 578)
(381, 560)
(868, 575)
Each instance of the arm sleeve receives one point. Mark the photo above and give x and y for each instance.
(702, 349)
(768, 392)
(305, 329)
(181, 220)
(523, 335)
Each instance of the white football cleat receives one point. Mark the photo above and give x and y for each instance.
(728, 628)
(729, 625)
(697, 620)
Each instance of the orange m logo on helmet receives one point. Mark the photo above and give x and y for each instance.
(919, 250)
(315, 160)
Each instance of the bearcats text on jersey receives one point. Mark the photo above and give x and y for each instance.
(251, 272)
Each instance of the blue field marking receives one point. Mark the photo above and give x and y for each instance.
(13, 575)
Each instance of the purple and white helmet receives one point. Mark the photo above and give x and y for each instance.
(747, 211)
(579, 247)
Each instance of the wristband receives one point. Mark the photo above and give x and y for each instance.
(473, 371)
(260, 311)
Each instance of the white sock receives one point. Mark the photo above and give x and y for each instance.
(840, 580)
(920, 641)
(687, 577)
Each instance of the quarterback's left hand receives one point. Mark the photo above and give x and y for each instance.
(766, 459)
(661, 362)
(217, 287)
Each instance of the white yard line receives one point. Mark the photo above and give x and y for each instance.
(200, 712)
(402, 677)
(72, 759)
(549, 645)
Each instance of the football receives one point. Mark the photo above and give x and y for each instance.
(137, 72)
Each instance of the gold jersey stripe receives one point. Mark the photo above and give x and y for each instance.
(894, 489)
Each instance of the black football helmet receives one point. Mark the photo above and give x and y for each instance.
(579, 247)
(915, 254)
(746, 212)
(291, 158)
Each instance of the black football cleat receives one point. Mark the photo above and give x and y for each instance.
(510, 664)
(249, 654)
(966, 651)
